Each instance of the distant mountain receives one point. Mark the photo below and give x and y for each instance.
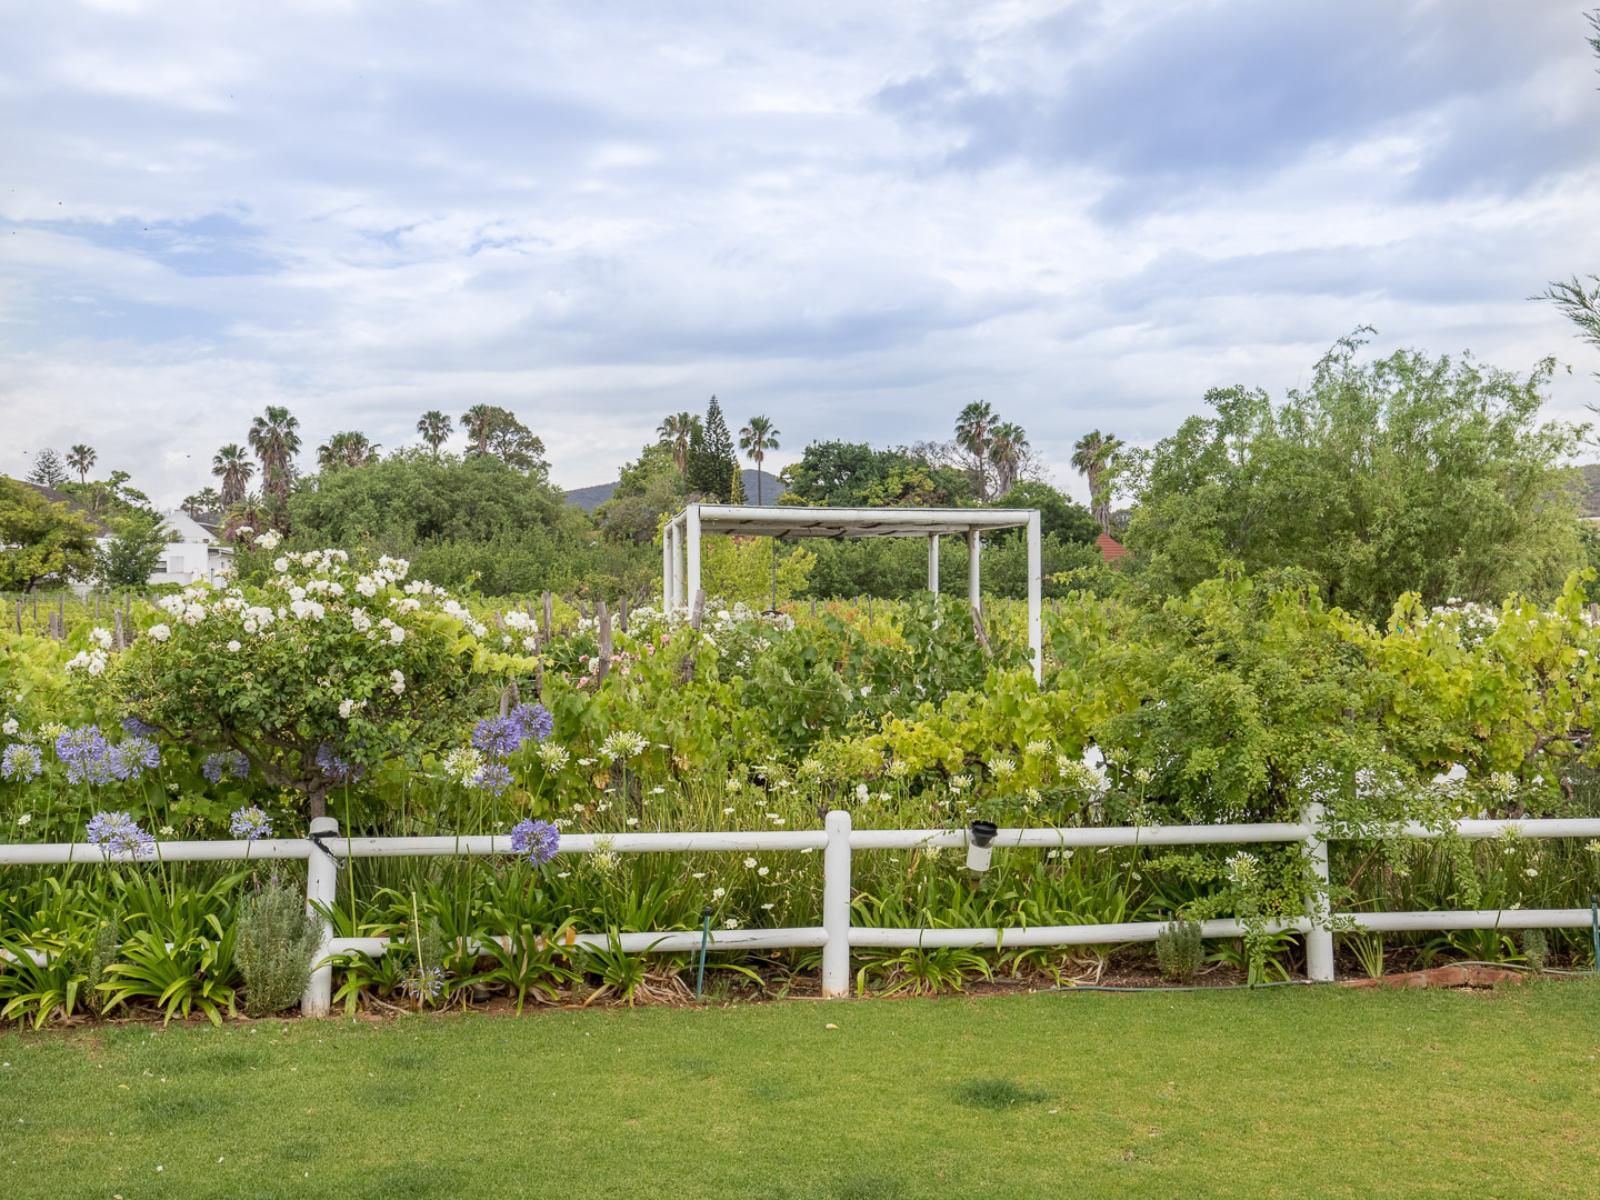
(591, 498)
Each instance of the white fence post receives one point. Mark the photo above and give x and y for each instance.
(1319, 938)
(836, 906)
(322, 888)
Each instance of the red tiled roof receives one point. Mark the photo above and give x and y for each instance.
(1110, 548)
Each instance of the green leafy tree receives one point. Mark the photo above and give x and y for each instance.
(232, 465)
(435, 428)
(81, 458)
(347, 449)
(275, 438)
(496, 432)
(649, 488)
(1405, 474)
(855, 474)
(41, 541)
(1058, 515)
(133, 552)
(48, 470)
(736, 486)
(756, 439)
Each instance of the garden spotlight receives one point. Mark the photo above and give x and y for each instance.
(980, 848)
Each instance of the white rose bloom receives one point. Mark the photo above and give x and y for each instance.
(280, 565)
(100, 637)
(398, 684)
(346, 707)
(269, 541)
(360, 620)
(397, 635)
(234, 645)
(160, 632)
(10, 727)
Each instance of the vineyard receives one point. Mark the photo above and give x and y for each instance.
(325, 686)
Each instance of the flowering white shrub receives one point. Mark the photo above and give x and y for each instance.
(317, 677)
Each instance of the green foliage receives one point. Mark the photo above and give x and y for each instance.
(41, 542)
(1059, 517)
(712, 462)
(476, 522)
(854, 474)
(1405, 474)
(276, 942)
(649, 489)
(1180, 950)
(344, 676)
(495, 432)
(133, 552)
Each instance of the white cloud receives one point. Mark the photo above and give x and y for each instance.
(596, 216)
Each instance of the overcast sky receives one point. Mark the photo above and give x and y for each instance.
(851, 218)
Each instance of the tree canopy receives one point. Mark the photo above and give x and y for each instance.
(1408, 473)
(41, 541)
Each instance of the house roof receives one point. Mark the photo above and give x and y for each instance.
(1110, 548)
(799, 522)
(72, 502)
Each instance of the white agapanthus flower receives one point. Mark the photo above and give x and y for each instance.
(553, 757)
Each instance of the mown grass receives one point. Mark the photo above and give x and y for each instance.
(1286, 1093)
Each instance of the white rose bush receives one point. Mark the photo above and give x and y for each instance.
(315, 679)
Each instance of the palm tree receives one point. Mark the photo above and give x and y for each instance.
(233, 466)
(755, 439)
(1094, 456)
(275, 438)
(480, 421)
(435, 429)
(206, 500)
(346, 449)
(974, 427)
(80, 458)
(1007, 443)
(678, 431)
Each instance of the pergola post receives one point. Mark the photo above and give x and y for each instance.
(677, 564)
(933, 563)
(1035, 598)
(691, 522)
(666, 567)
(974, 551)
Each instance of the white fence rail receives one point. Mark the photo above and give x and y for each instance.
(324, 848)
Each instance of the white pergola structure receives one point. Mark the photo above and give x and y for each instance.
(680, 544)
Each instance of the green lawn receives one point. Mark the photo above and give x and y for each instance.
(1289, 1092)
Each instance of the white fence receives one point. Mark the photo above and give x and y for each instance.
(838, 842)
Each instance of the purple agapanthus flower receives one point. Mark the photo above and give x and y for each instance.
(493, 777)
(533, 721)
(498, 737)
(86, 754)
(538, 841)
(119, 833)
(132, 757)
(21, 762)
(138, 728)
(231, 763)
(250, 824)
(338, 769)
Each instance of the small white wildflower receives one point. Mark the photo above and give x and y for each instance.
(749, 864)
